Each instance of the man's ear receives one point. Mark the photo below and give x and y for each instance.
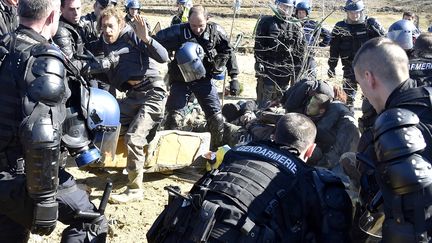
(370, 79)
(50, 18)
(309, 151)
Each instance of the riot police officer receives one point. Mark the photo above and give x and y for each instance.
(132, 8)
(315, 36)
(136, 74)
(402, 139)
(404, 33)
(420, 65)
(202, 50)
(68, 38)
(89, 21)
(8, 16)
(347, 37)
(183, 8)
(41, 121)
(279, 52)
(262, 192)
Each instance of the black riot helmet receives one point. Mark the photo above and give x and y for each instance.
(106, 3)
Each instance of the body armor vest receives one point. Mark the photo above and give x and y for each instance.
(77, 42)
(420, 69)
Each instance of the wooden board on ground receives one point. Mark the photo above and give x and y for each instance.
(169, 150)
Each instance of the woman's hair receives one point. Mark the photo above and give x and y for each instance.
(339, 94)
(111, 11)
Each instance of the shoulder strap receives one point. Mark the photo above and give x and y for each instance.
(412, 94)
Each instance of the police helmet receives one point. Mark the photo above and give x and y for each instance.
(189, 59)
(403, 32)
(105, 3)
(182, 2)
(134, 4)
(104, 121)
(422, 46)
(354, 5)
(286, 2)
(285, 8)
(303, 6)
(430, 29)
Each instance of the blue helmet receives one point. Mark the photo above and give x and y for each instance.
(354, 5)
(182, 2)
(104, 121)
(134, 4)
(303, 6)
(403, 32)
(430, 29)
(189, 59)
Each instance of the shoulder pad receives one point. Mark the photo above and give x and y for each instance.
(263, 22)
(171, 32)
(396, 134)
(341, 24)
(328, 177)
(218, 28)
(88, 17)
(46, 81)
(371, 21)
(45, 49)
(311, 21)
(394, 118)
(266, 18)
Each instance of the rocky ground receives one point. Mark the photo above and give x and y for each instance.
(129, 223)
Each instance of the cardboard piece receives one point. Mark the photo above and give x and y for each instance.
(169, 150)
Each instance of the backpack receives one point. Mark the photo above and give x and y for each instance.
(245, 201)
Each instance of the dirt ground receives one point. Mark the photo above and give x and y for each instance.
(129, 223)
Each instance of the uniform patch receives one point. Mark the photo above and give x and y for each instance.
(272, 155)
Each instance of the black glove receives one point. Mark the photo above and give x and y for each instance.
(234, 87)
(45, 217)
(110, 61)
(101, 65)
(331, 73)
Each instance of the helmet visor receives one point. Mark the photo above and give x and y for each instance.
(106, 140)
(355, 16)
(371, 223)
(403, 38)
(192, 70)
(285, 10)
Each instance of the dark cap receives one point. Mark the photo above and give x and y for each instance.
(231, 111)
(105, 3)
